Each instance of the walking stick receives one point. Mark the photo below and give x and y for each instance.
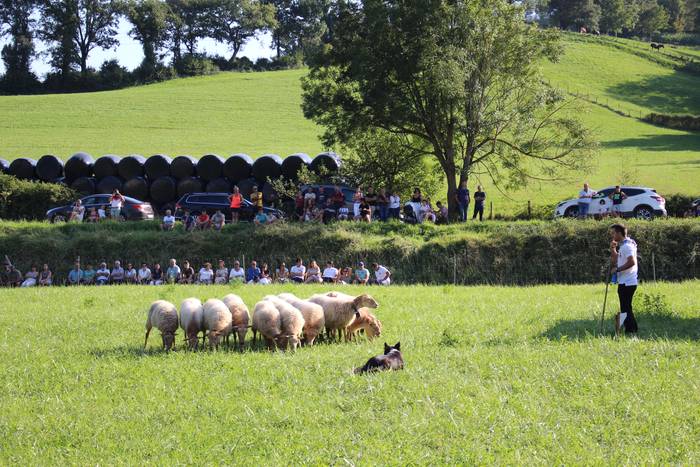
(605, 300)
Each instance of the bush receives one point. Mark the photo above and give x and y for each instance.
(114, 76)
(678, 38)
(678, 205)
(677, 122)
(22, 199)
(196, 65)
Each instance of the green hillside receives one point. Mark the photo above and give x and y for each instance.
(258, 113)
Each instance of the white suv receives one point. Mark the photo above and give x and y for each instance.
(641, 202)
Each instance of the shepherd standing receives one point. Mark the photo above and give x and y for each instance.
(623, 264)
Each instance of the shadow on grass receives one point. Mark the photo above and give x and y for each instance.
(687, 142)
(651, 326)
(662, 94)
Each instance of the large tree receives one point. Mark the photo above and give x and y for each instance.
(301, 25)
(59, 27)
(188, 23)
(149, 26)
(97, 27)
(575, 13)
(460, 77)
(234, 22)
(17, 22)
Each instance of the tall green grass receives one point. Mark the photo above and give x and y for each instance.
(493, 375)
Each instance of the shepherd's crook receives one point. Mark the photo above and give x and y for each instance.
(605, 300)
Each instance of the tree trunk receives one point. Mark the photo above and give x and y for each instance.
(452, 207)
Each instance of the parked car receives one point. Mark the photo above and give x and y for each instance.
(328, 190)
(198, 202)
(132, 210)
(641, 202)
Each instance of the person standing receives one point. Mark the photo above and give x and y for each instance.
(383, 205)
(235, 201)
(623, 267)
(256, 197)
(116, 201)
(617, 197)
(463, 200)
(584, 201)
(479, 199)
(394, 206)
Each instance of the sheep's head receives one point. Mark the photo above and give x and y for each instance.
(293, 341)
(365, 301)
(214, 338)
(374, 328)
(192, 340)
(168, 340)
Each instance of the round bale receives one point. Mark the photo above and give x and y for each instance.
(292, 164)
(183, 166)
(136, 187)
(49, 168)
(85, 185)
(131, 166)
(220, 185)
(157, 166)
(210, 167)
(23, 168)
(163, 190)
(106, 166)
(78, 165)
(267, 167)
(189, 185)
(238, 167)
(326, 163)
(109, 184)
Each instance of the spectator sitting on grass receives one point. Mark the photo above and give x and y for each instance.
(345, 276)
(252, 275)
(442, 215)
(221, 275)
(102, 275)
(203, 221)
(218, 220)
(30, 278)
(298, 272)
(157, 275)
(313, 214)
(282, 274)
(187, 273)
(130, 274)
(236, 274)
(361, 274)
(117, 274)
(172, 274)
(330, 274)
(382, 275)
(338, 198)
(45, 276)
(144, 275)
(205, 275)
(168, 221)
(426, 211)
(328, 211)
(313, 273)
(93, 216)
(265, 278)
(261, 218)
(102, 213)
(189, 222)
(75, 276)
(309, 199)
(88, 275)
(357, 198)
(343, 213)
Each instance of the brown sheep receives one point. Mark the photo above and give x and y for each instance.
(366, 321)
(339, 309)
(163, 316)
(240, 318)
(291, 323)
(192, 320)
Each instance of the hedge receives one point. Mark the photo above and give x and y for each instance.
(24, 199)
(677, 122)
(516, 253)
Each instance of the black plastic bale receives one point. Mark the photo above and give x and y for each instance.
(238, 167)
(246, 186)
(109, 184)
(78, 165)
(189, 185)
(183, 167)
(23, 168)
(107, 165)
(136, 187)
(85, 185)
(220, 185)
(4, 166)
(210, 167)
(163, 190)
(269, 194)
(131, 166)
(267, 167)
(157, 166)
(326, 163)
(49, 168)
(292, 164)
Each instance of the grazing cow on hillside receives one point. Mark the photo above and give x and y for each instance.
(656, 46)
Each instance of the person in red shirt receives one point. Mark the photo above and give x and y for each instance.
(203, 221)
(235, 199)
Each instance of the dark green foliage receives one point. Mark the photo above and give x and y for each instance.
(196, 65)
(678, 122)
(22, 199)
(679, 205)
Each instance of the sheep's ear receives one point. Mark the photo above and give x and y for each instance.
(386, 348)
(398, 346)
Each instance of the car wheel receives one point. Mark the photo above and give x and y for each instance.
(58, 218)
(571, 211)
(644, 213)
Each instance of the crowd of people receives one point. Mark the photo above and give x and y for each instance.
(585, 196)
(101, 213)
(174, 274)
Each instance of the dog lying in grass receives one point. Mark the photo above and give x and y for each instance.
(391, 360)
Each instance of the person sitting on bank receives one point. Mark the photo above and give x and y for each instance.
(236, 274)
(45, 276)
(298, 272)
(221, 274)
(130, 274)
(117, 274)
(218, 220)
(102, 275)
(75, 276)
(93, 216)
(172, 274)
(361, 274)
(313, 273)
(157, 275)
(282, 274)
(260, 218)
(382, 276)
(252, 274)
(330, 274)
(189, 222)
(203, 221)
(187, 273)
(30, 278)
(144, 275)
(265, 277)
(345, 276)
(365, 211)
(89, 275)
(343, 213)
(168, 221)
(441, 214)
(205, 275)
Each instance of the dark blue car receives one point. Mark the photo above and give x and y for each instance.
(210, 202)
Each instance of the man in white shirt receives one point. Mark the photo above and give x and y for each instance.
(237, 273)
(330, 274)
(584, 201)
(102, 275)
(168, 221)
(394, 206)
(381, 274)
(117, 276)
(298, 272)
(623, 259)
(144, 274)
(115, 203)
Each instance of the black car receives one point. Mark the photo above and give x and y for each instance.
(210, 202)
(132, 209)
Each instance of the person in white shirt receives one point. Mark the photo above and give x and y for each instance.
(117, 275)
(102, 275)
(168, 221)
(298, 271)
(101, 213)
(343, 213)
(221, 275)
(623, 264)
(330, 274)
(394, 206)
(144, 274)
(382, 275)
(130, 274)
(237, 273)
(115, 203)
(78, 212)
(584, 201)
(206, 274)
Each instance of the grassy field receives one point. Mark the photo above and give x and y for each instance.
(258, 113)
(506, 375)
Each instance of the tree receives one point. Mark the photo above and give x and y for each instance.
(575, 13)
(96, 27)
(188, 23)
(652, 18)
(234, 22)
(301, 25)
(461, 78)
(16, 21)
(676, 10)
(149, 26)
(59, 27)
(617, 15)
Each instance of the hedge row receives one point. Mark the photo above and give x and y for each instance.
(516, 253)
(24, 199)
(677, 122)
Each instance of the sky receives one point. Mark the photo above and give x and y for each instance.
(129, 53)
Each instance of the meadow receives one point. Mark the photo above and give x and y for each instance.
(493, 375)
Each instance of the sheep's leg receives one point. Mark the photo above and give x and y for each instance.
(148, 331)
(241, 338)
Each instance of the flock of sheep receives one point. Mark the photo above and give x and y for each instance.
(283, 320)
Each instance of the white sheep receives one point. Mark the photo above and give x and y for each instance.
(266, 321)
(217, 321)
(192, 321)
(240, 318)
(291, 323)
(339, 309)
(314, 321)
(163, 316)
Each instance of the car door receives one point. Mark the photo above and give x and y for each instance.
(630, 203)
(600, 204)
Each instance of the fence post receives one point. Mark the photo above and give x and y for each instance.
(529, 209)
(490, 210)
(243, 262)
(653, 266)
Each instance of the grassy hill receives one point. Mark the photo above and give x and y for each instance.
(260, 112)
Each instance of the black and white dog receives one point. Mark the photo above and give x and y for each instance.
(391, 360)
